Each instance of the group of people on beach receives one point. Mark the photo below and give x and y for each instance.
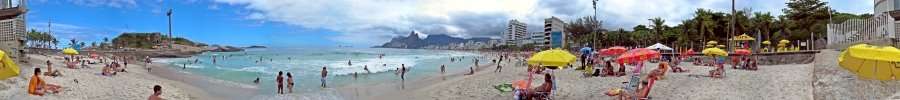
(280, 81)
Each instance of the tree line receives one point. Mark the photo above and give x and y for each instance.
(801, 19)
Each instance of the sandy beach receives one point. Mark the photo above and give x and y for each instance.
(135, 84)
(780, 82)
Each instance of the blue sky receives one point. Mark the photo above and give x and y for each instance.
(360, 23)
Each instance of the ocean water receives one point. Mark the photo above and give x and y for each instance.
(305, 64)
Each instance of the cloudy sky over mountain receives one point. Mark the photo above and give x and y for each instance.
(372, 22)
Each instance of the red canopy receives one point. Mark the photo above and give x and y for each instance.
(637, 55)
(613, 50)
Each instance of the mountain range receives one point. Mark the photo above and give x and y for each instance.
(412, 41)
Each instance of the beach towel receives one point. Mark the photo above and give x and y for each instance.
(505, 87)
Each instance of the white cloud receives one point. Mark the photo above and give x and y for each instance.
(371, 22)
(110, 3)
(63, 31)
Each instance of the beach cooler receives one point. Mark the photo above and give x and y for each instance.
(8, 67)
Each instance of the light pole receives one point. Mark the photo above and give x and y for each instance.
(169, 14)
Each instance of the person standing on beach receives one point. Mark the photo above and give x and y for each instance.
(499, 68)
(146, 62)
(442, 72)
(402, 72)
(157, 91)
(290, 81)
(324, 75)
(278, 81)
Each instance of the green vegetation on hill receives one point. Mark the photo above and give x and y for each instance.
(146, 40)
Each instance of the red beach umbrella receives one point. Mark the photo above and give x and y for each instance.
(637, 55)
(687, 53)
(613, 50)
(742, 52)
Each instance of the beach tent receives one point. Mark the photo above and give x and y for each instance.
(8, 67)
(659, 46)
(552, 57)
(872, 62)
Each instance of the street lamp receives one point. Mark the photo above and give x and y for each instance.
(169, 14)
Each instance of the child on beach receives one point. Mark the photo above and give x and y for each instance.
(157, 91)
(37, 86)
(324, 75)
(290, 81)
(278, 81)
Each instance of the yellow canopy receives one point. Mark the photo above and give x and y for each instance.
(712, 43)
(8, 67)
(714, 52)
(70, 51)
(766, 42)
(784, 41)
(710, 46)
(743, 37)
(872, 62)
(553, 57)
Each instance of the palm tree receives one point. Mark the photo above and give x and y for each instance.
(763, 22)
(658, 27)
(705, 22)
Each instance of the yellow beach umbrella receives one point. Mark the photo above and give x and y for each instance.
(70, 51)
(710, 46)
(8, 67)
(714, 52)
(766, 42)
(872, 62)
(720, 46)
(712, 43)
(784, 41)
(553, 57)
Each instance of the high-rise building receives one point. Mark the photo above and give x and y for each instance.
(12, 28)
(554, 32)
(515, 32)
(537, 38)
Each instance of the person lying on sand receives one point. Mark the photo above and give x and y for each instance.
(157, 91)
(107, 71)
(37, 86)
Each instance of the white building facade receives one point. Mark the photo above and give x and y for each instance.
(515, 33)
